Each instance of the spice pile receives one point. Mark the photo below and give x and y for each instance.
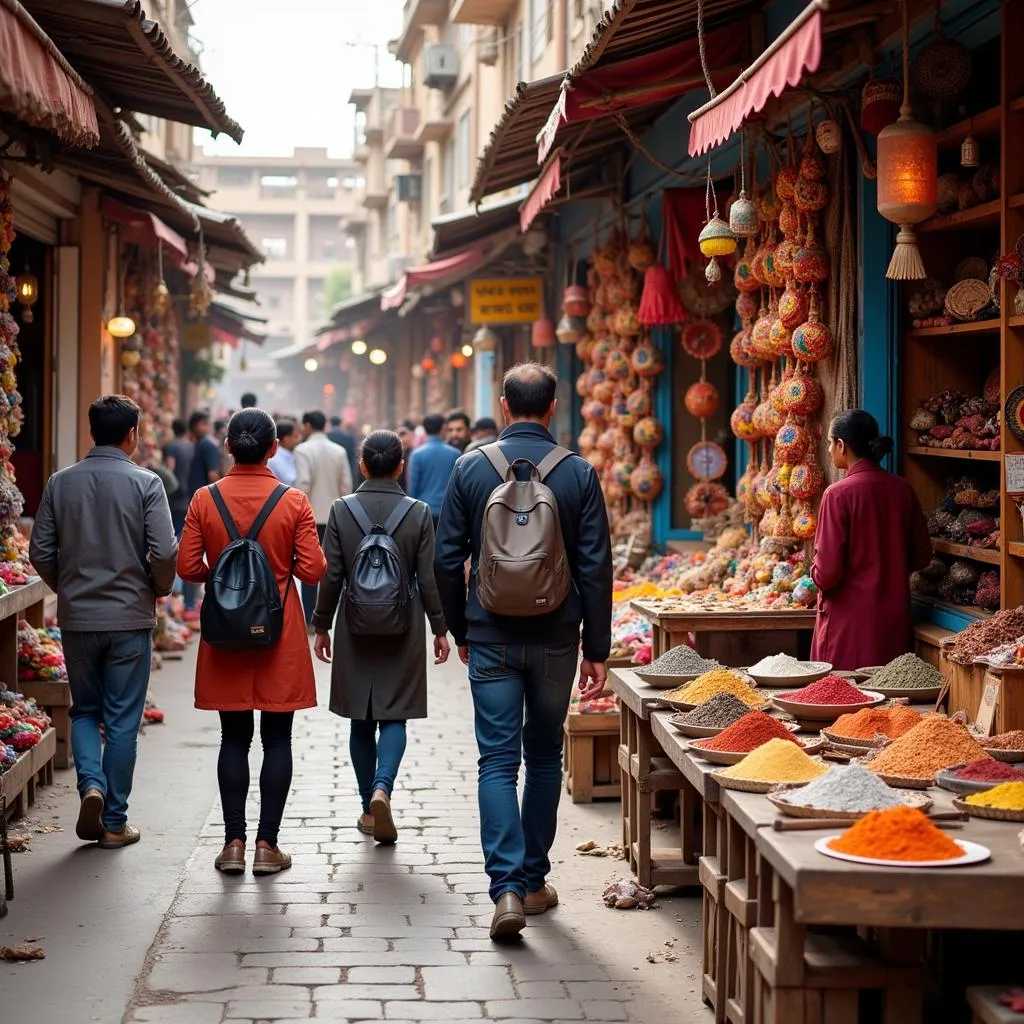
(900, 833)
(933, 744)
(869, 723)
(779, 666)
(1013, 740)
(722, 710)
(710, 684)
(987, 769)
(680, 661)
(907, 672)
(846, 788)
(830, 690)
(747, 734)
(985, 635)
(1007, 796)
(776, 761)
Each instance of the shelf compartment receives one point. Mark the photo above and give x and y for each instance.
(1016, 548)
(1015, 321)
(948, 547)
(970, 610)
(949, 453)
(973, 327)
(986, 125)
(983, 215)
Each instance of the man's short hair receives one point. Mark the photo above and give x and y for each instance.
(529, 389)
(179, 428)
(285, 428)
(433, 424)
(196, 418)
(315, 419)
(485, 425)
(408, 424)
(219, 425)
(112, 418)
(249, 400)
(455, 415)
(335, 421)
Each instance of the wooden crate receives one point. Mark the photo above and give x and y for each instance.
(34, 767)
(591, 757)
(55, 699)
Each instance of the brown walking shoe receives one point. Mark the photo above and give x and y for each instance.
(541, 901)
(365, 823)
(509, 919)
(269, 861)
(115, 840)
(90, 827)
(384, 830)
(231, 860)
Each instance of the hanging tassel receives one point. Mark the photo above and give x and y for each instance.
(906, 263)
(660, 304)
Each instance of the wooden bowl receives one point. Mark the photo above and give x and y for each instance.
(728, 757)
(815, 670)
(825, 712)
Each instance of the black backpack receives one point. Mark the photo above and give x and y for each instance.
(378, 594)
(242, 609)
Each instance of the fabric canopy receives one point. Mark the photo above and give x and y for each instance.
(38, 86)
(140, 227)
(782, 65)
(450, 267)
(543, 192)
(653, 78)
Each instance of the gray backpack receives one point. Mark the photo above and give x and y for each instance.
(523, 569)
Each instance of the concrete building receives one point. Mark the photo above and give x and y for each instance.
(305, 213)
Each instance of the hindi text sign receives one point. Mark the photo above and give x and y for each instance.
(505, 300)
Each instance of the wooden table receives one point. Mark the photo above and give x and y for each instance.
(727, 635)
(645, 770)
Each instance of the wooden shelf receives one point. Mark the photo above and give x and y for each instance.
(1016, 106)
(1015, 321)
(1015, 548)
(983, 215)
(974, 327)
(971, 610)
(947, 547)
(949, 453)
(987, 124)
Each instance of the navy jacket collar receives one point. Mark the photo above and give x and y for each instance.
(107, 451)
(525, 430)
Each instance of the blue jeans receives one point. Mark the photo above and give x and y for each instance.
(376, 761)
(521, 696)
(109, 676)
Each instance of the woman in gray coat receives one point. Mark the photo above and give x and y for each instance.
(379, 681)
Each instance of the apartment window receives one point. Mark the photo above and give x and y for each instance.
(539, 11)
(332, 182)
(281, 181)
(463, 156)
(427, 189)
(275, 248)
(234, 177)
(329, 249)
(448, 176)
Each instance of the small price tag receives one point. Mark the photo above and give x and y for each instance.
(987, 707)
(1013, 463)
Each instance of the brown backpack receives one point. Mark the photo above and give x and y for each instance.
(523, 569)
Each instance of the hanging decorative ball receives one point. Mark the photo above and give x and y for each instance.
(783, 527)
(619, 292)
(701, 399)
(617, 365)
(584, 348)
(646, 481)
(812, 340)
(648, 432)
(760, 338)
(595, 412)
(811, 195)
(757, 265)
(587, 439)
(705, 500)
(743, 274)
(716, 239)
(595, 376)
(569, 329)
(780, 338)
(622, 471)
(629, 384)
(623, 418)
(701, 339)
(647, 360)
(742, 419)
(789, 221)
(810, 263)
(769, 493)
(806, 481)
(812, 167)
(595, 320)
(641, 255)
(879, 104)
(626, 323)
(785, 251)
(775, 394)
(768, 419)
(740, 352)
(802, 395)
(829, 136)
(601, 298)
(772, 274)
(743, 221)
(746, 305)
(599, 353)
(160, 300)
(792, 442)
(785, 182)
(805, 523)
(597, 459)
(542, 333)
(639, 403)
(712, 272)
(583, 385)
(604, 392)
(130, 358)
(576, 301)
(793, 306)
(606, 440)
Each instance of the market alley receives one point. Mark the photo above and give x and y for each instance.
(351, 932)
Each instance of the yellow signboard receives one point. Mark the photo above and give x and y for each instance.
(196, 336)
(505, 300)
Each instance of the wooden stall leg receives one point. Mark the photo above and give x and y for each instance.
(786, 1006)
(642, 810)
(841, 1006)
(689, 823)
(582, 759)
(789, 939)
(35, 614)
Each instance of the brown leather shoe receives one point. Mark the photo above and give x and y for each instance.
(231, 860)
(90, 827)
(509, 919)
(384, 830)
(365, 824)
(267, 861)
(541, 901)
(115, 840)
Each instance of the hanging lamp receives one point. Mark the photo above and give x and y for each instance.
(907, 176)
(715, 238)
(743, 221)
(120, 325)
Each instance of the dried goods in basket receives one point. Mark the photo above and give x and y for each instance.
(967, 298)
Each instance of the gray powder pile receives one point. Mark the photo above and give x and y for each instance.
(720, 711)
(846, 788)
(907, 672)
(680, 661)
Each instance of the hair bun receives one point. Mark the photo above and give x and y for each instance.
(880, 447)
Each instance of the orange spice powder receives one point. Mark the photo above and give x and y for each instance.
(900, 833)
(933, 744)
(868, 723)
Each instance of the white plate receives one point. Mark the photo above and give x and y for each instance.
(813, 671)
(974, 853)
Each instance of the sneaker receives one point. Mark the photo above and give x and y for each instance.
(90, 827)
(128, 836)
(541, 901)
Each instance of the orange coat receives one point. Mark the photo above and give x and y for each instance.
(281, 678)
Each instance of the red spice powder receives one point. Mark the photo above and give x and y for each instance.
(830, 690)
(748, 733)
(987, 769)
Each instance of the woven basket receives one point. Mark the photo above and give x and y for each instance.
(966, 299)
(948, 192)
(972, 267)
(942, 69)
(992, 813)
(742, 785)
(904, 781)
(794, 810)
(666, 682)
(728, 757)
(852, 743)
(695, 731)
(1006, 756)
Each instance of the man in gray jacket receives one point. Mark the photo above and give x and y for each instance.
(103, 540)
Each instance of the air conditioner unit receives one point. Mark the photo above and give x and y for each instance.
(440, 67)
(408, 187)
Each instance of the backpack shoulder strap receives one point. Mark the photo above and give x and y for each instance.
(398, 513)
(358, 513)
(555, 457)
(268, 507)
(496, 457)
(229, 523)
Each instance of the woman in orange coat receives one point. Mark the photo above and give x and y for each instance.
(277, 681)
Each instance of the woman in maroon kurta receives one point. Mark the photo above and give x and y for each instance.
(871, 536)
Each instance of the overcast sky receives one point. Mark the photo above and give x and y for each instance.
(283, 71)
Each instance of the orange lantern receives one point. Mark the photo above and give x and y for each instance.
(458, 361)
(701, 399)
(542, 333)
(428, 364)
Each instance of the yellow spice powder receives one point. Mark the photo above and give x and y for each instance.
(719, 681)
(776, 761)
(1008, 796)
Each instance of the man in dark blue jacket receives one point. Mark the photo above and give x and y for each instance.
(524, 668)
(430, 465)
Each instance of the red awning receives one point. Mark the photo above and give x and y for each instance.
(782, 65)
(37, 85)
(545, 189)
(454, 267)
(141, 227)
(219, 336)
(652, 78)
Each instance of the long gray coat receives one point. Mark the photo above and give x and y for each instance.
(384, 678)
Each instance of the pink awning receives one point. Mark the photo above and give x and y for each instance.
(452, 268)
(653, 78)
(141, 227)
(545, 189)
(38, 86)
(796, 52)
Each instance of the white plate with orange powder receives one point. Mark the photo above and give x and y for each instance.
(974, 853)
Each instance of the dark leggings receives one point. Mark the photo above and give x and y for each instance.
(236, 732)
